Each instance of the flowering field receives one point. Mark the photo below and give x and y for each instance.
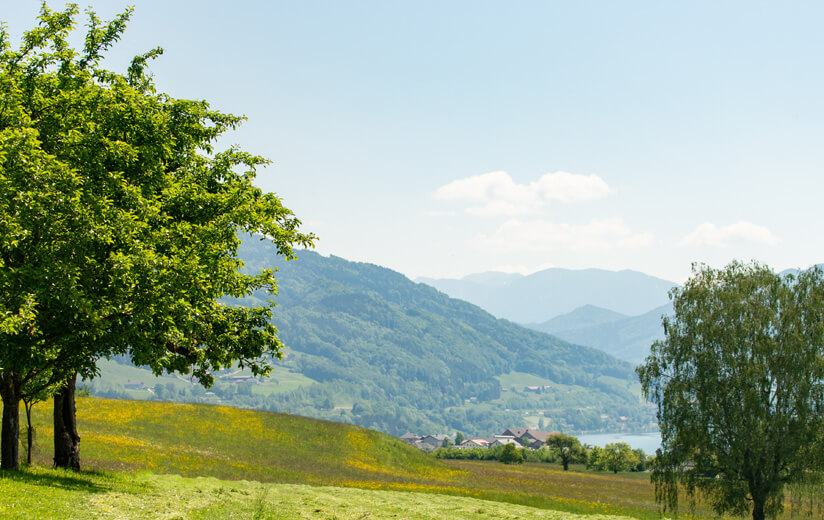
(58, 495)
(234, 444)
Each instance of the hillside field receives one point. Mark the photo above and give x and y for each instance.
(58, 495)
(134, 447)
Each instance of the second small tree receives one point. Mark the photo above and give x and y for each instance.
(511, 455)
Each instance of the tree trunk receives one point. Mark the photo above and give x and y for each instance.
(66, 439)
(758, 509)
(29, 431)
(11, 423)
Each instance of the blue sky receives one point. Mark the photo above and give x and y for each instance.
(445, 138)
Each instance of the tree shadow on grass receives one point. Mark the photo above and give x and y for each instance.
(86, 481)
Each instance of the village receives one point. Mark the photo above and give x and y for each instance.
(521, 437)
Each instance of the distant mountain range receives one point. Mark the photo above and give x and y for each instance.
(609, 309)
(365, 345)
(546, 294)
(625, 337)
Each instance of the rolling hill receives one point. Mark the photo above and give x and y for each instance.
(163, 460)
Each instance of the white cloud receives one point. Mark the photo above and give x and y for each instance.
(495, 193)
(707, 234)
(542, 235)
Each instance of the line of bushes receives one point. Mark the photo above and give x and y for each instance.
(613, 457)
(496, 453)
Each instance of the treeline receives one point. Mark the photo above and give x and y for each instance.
(615, 457)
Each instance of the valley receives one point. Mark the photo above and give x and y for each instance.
(367, 346)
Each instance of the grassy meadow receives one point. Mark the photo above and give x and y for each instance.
(37, 493)
(133, 449)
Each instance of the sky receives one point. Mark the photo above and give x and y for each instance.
(441, 139)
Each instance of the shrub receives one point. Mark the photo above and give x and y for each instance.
(511, 455)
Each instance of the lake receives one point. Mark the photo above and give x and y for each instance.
(648, 442)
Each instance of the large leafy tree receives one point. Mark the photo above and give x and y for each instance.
(739, 382)
(120, 223)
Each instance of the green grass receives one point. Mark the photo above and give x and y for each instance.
(281, 380)
(233, 444)
(229, 443)
(54, 494)
(520, 380)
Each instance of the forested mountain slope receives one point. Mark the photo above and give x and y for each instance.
(367, 346)
(391, 354)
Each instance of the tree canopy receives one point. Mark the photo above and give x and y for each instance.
(567, 448)
(120, 221)
(511, 455)
(739, 384)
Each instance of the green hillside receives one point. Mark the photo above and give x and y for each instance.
(230, 443)
(409, 358)
(274, 465)
(195, 440)
(367, 346)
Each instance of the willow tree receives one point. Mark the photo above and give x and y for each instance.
(739, 383)
(120, 223)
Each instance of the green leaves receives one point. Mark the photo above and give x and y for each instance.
(118, 225)
(567, 449)
(737, 381)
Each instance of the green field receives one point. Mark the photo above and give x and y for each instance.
(520, 380)
(59, 495)
(317, 469)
